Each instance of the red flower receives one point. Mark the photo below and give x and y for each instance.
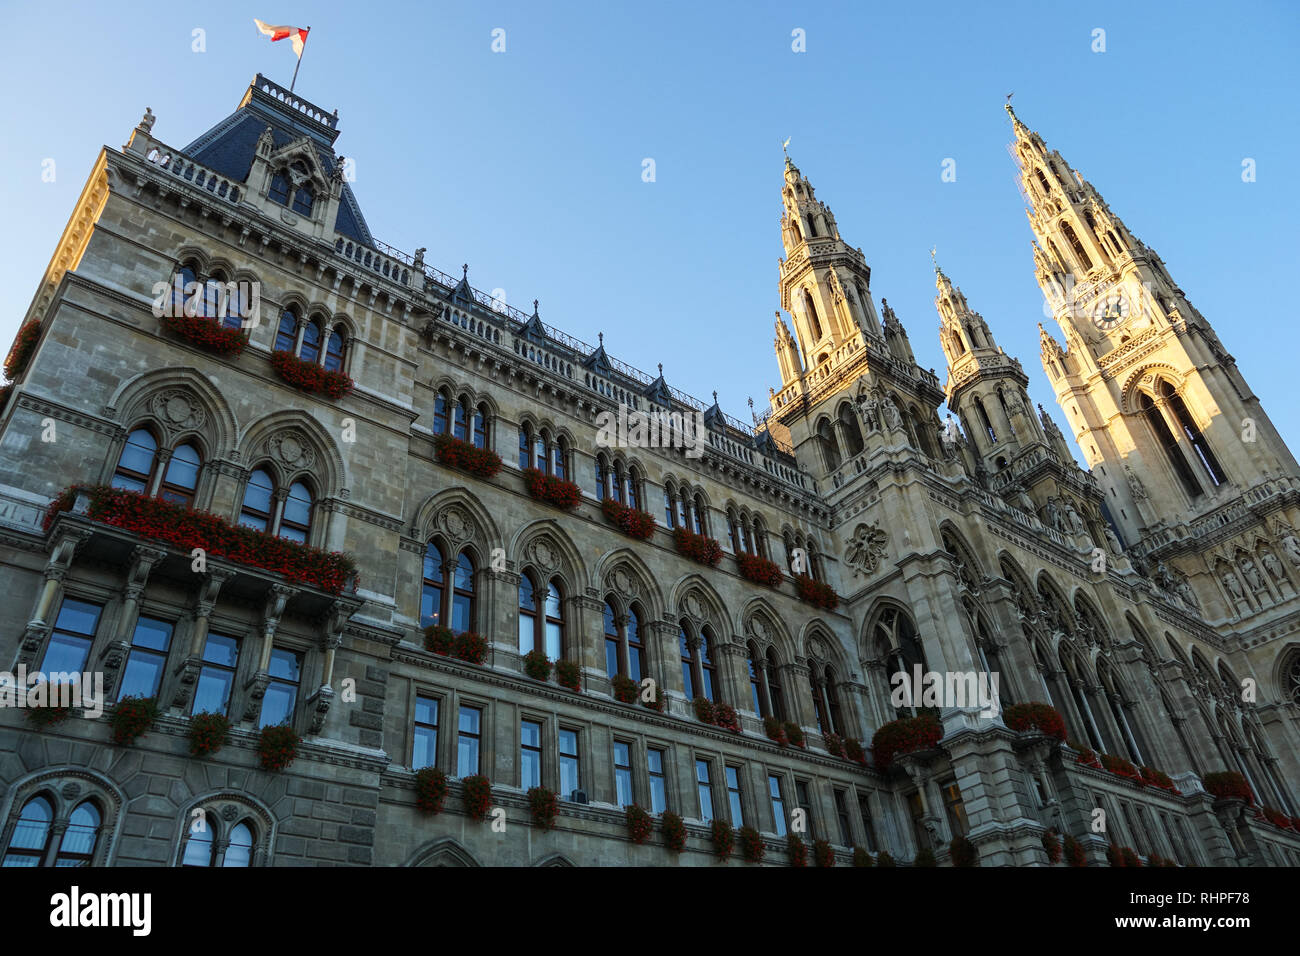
(208, 733)
(132, 717)
(639, 823)
(188, 529)
(674, 831)
(760, 570)
(543, 806)
(20, 353)
(626, 690)
(568, 674)
(1035, 716)
(1228, 785)
(905, 736)
(454, 453)
(751, 844)
(478, 797)
(310, 377)
(816, 593)
(207, 333)
(631, 521)
(564, 495)
(277, 747)
(698, 548)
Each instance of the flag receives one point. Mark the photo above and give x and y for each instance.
(297, 35)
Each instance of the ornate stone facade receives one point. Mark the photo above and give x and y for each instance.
(975, 550)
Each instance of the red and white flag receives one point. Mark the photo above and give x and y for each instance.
(297, 35)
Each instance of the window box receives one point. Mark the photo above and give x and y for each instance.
(478, 797)
(717, 714)
(537, 665)
(698, 548)
(1053, 847)
(752, 847)
(277, 747)
(543, 806)
(132, 717)
(208, 733)
(1121, 768)
(439, 639)
(797, 850)
(823, 855)
(631, 521)
(187, 529)
(904, 736)
(816, 593)
(626, 690)
(459, 454)
(861, 857)
(1152, 777)
(639, 823)
(1085, 755)
(430, 790)
(1228, 785)
(43, 716)
(853, 751)
(674, 831)
(775, 730)
(1035, 716)
(310, 377)
(21, 352)
(724, 838)
(471, 647)
(760, 570)
(208, 334)
(1276, 817)
(568, 674)
(794, 734)
(557, 492)
(834, 744)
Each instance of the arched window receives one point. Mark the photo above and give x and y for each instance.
(296, 522)
(633, 487)
(670, 510)
(525, 446)
(460, 419)
(1200, 446)
(698, 671)
(852, 433)
(334, 352)
(433, 589)
(1068, 231)
(310, 350)
(199, 847)
(441, 401)
(602, 477)
(814, 320)
(239, 851)
(182, 476)
(985, 424)
(186, 277)
(756, 680)
(31, 836)
(830, 448)
(612, 666)
(896, 642)
(77, 848)
(480, 427)
(258, 497)
(700, 515)
(303, 200)
(624, 651)
(135, 466)
(733, 528)
(462, 596)
(554, 622)
(616, 490)
(635, 646)
(689, 684)
(772, 674)
(529, 626)
(279, 191)
(286, 335)
(1165, 438)
(1042, 182)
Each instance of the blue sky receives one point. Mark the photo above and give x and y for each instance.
(527, 164)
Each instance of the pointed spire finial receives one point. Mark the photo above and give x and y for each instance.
(715, 396)
(464, 269)
(601, 336)
(661, 369)
(534, 306)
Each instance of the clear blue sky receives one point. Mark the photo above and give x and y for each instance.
(527, 164)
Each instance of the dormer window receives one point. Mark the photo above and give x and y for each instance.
(292, 187)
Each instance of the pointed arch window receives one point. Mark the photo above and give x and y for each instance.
(541, 618)
(259, 495)
(286, 335)
(528, 625)
(310, 350)
(602, 477)
(1200, 446)
(896, 641)
(433, 588)
(449, 603)
(441, 406)
(554, 622)
(296, 521)
(772, 678)
(136, 464)
(1169, 444)
(334, 352)
(985, 424)
(77, 848)
(239, 851)
(462, 595)
(1067, 230)
(304, 199)
(698, 670)
(279, 191)
(852, 433)
(670, 510)
(755, 665)
(814, 320)
(700, 515)
(460, 419)
(31, 835)
(480, 426)
(830, 448)
(182, 475)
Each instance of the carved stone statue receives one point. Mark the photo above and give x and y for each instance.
(1113, 541)
(1251, 574)
(1273, 566)
(1291, 547)
(870, 409)
(1234, 586)
(1185, 592)
(890, 412)
(1072, 519)
(147, 121)
(419, 257)
(1135, 485)
(1054, 515)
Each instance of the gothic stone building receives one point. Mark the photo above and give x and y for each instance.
(1152, 600)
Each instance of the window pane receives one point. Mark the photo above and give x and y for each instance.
(78, 617)
(530, 754)
(467, 748)
(183, 469)
(705, 790)
(240, 850)
(198, 848)
(144, 666)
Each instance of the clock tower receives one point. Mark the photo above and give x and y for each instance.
(1194, 473)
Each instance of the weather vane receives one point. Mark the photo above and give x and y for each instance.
(785, 145)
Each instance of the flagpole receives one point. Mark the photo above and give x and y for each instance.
(295, 69)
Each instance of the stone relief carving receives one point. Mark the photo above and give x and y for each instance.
(866, 547)
(293, 449)
(456, 524)
(178, 410)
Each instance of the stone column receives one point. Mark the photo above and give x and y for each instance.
(276, 598)
(189, 668)
(115, 653)
(60, 562)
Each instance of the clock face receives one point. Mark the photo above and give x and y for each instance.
(1110, 310)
